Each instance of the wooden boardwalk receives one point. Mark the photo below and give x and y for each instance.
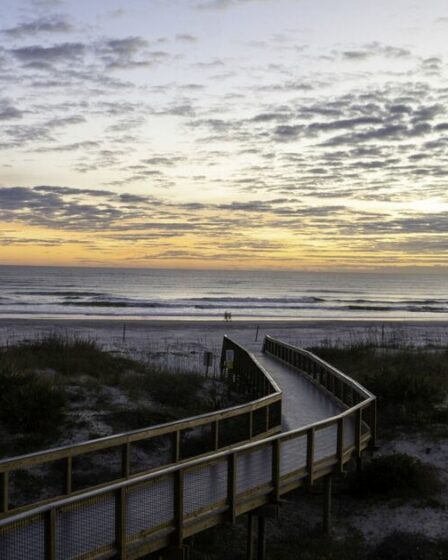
(326, 419)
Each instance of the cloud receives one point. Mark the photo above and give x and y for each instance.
(186, 38)
(47, 24)
(65, 52)
(223, 4)
(8, 111)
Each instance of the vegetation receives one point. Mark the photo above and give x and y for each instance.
(411, 384)
(410, 546)
(29, 403)
(63, 387)
(396, 476)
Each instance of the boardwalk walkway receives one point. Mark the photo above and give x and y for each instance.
(326, 420)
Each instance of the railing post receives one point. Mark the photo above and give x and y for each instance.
(373, 424)
(251, 424)
(4, 492)
(126, 460)
(215, 435)
(340, 443)
(276, 469)
(50, 534)
(231, 486)
(358, 432)
(176, 446)
(310, 455)
(120, 522)
(68, 473)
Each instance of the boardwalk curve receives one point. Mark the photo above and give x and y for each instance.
(329, 419)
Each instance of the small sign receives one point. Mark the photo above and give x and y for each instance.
(208, 359)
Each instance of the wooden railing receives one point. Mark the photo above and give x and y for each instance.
(135, 517)
(170, 443)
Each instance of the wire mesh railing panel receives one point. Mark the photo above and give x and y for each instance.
(150, 505)
(205, 486)
(85, 527)
(254, 468)
(325, 442)
(23, 540)
(293, 455)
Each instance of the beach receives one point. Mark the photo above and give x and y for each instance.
(180, 344)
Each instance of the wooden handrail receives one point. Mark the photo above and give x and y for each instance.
(267, 394)
(236, 501)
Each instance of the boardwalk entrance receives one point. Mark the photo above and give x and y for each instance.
(326, 418)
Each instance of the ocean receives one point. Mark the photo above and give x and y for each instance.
(104, 293)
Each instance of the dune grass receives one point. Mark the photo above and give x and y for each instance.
(411, 384)
(395, 476)
(49, 384)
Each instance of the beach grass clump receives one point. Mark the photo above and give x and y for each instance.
(396, 476)
(411, 384)
(30, 404)
(68, 355)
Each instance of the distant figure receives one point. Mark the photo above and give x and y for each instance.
(226, 316)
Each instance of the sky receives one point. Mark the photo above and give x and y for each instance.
(266, 134)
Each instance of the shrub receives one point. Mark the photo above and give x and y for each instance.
(410, 546)
(409, 383)
(67, 355)
(29, 404)
(173, 389)
(396, 476)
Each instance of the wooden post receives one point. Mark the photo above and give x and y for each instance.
(358, 426)
(310, 455)
(261, 541)
(251, 536)
(231, 486)
(4, 492)
(68, 470)
(276, 470)
(340, 443)
(215, 435)
(326, 518)
(373, 424)
(120, 522)
(126, 460)
(176, 446)
(50, 534)
(251, 424)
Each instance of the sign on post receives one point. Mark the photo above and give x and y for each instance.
(208, 361)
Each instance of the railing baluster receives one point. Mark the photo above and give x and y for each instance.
(340, 443)
(120, 522)
(276, 457)
(310, 455)
(50, 534)
(231, 486)
(358, 430)
(126, 460)
(4, 492)
(68, 475)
